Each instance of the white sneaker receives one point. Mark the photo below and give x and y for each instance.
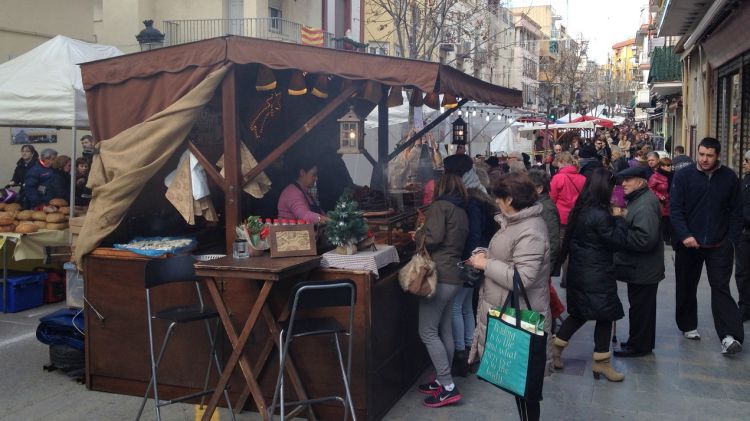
(693, 335)
(730, 346)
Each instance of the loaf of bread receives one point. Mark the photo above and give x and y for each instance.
(7, 228)
(65, 210)
(54, 226)
(50, 209)
(2, 206)
(24, 215)
(15, 207)
(39, 216)
(6, 219)
(58, 202)
(41, 224)
(26, 227)
(56, 218)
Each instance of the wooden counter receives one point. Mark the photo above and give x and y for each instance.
(387, 358)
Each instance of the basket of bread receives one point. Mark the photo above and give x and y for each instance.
(53, 216)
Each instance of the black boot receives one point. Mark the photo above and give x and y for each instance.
(460, 366)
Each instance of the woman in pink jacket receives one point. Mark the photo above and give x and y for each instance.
(659, 185)
(296, 202)
(564, 189)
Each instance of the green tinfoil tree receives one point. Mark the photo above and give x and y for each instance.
(345, 222)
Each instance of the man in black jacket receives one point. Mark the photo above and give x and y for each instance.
(706, 219)
(641, 265)
(742, 264)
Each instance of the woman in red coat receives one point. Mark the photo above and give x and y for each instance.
(659, 185)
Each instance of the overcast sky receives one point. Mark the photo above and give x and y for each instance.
(602, 22)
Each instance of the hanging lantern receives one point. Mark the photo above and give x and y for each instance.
(265, 80)
(432, 100)
(449, 101)
(297, 84)
(320, 89)
(459, 132)
(351, 133)
(394, 97)
(416, 98)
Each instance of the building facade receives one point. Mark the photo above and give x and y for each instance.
(525, 71)
(714, 49)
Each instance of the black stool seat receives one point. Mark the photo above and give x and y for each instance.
(314, 326)
(184, 314)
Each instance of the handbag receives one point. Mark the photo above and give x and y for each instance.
(419, 276)
(470, 276)
(514, 357)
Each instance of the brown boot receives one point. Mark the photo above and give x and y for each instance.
(557, 348)
(601, 365)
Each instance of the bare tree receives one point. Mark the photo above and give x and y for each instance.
(567, 74)
(418, 25)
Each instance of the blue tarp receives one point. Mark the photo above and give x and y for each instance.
(63, 327)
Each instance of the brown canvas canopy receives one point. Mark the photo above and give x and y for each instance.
(143, 105)
(140, 85)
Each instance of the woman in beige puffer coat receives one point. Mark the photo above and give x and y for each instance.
(521, 244)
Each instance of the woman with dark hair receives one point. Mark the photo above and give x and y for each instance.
(29, 158)
(444, 234)
(591, 241)
(60, 185)
(659, 184)
(296, 202)
(521, 244)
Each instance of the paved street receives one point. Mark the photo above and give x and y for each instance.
(683, 380)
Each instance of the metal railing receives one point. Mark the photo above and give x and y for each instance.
(278, 29)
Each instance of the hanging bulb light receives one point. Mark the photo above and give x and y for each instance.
(432, 100)
(449, 101)
(297, 84)
(320, 89)
(474, 113)
(372, 92)
(416, 98)
(394, 97)
(265, 79)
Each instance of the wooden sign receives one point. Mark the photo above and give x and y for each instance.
(292, 240)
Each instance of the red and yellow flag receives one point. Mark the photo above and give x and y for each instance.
(311, 36)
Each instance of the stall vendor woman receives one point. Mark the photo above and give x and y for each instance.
(296, 202)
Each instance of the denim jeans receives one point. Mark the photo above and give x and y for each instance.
(463, 319)
(436, 330)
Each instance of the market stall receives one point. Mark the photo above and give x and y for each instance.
(242, 107)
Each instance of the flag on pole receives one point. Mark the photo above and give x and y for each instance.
(311, 36)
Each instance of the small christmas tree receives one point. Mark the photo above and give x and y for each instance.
(345, 226)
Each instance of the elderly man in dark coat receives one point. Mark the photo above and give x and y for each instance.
(641, 265)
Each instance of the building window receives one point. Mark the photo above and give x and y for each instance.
(380, 48)
(275, 17)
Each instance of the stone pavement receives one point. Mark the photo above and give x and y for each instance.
(682, 380)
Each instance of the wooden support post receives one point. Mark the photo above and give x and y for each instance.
(231, 156)
(210, 169)
(383, 138)
(426, 129)
(297, 135)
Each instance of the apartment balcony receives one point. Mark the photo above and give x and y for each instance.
(277, 29)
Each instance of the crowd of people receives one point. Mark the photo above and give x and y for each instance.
(595, 211)
(45, 175)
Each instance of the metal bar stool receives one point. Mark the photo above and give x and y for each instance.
(315, 295)
(160, 272)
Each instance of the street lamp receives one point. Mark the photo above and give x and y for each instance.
(150, 38)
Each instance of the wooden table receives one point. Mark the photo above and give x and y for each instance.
(269, 271)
